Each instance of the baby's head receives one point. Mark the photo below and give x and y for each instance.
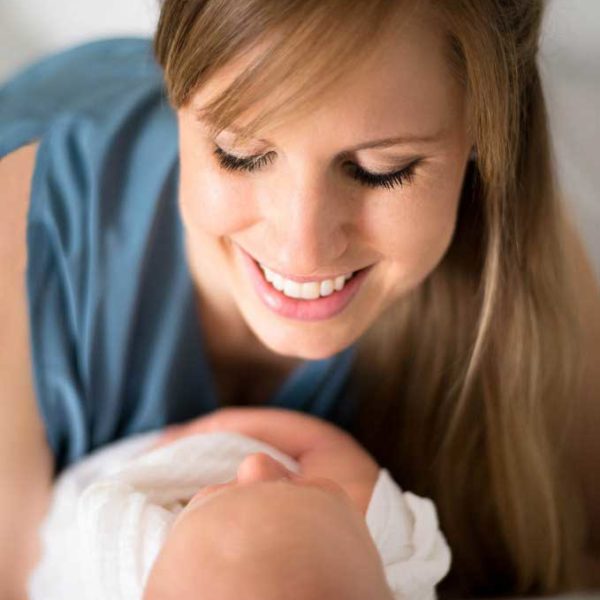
(269, 535)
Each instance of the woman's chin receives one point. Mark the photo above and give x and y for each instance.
(307, 340)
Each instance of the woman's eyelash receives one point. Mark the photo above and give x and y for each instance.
(234, 163)
(386, 180)
(374, 180)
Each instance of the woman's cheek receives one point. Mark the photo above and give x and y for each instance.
(413, 236)
(216, 204)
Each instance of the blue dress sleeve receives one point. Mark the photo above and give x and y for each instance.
(53, 306)
(113, 326)
(77, 79)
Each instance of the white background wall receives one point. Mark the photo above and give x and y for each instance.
(570, 69)
(30, 28)
(569, 63)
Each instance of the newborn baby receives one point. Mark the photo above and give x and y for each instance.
(259, 503)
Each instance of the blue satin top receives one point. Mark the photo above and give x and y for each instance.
(116, 343)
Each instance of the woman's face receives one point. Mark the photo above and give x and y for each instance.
(303, 213)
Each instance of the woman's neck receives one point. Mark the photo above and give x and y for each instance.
(244, 370)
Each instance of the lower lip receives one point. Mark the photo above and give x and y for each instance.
(302, 310)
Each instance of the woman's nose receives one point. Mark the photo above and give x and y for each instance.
(310, 230)
(260, 467)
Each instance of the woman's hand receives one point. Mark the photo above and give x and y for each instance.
(320, 448)
(290, 431)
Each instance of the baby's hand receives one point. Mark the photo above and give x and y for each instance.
(320, 448)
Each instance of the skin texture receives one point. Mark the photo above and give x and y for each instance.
(269, 531)
(303, 214)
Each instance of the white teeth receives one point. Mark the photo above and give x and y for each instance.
(310, 290)
(278, 282)
(293, 289)
(326, 287)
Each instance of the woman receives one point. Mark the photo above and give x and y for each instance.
(458, 349)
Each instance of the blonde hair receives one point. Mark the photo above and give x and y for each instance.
(468, 379)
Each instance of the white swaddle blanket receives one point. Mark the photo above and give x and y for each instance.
(111, 513)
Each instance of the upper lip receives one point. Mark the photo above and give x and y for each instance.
(300, 278)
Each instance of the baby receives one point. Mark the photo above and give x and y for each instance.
(259, 503)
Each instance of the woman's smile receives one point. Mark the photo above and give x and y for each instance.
(306, 301)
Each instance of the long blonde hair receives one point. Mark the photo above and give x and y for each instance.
(468, 379)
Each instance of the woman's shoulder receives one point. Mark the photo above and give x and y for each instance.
(105, 270)
(101, 81)
(107, 134)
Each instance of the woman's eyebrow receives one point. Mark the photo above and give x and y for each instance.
(427, 138)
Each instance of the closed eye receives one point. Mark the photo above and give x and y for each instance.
(230, 162)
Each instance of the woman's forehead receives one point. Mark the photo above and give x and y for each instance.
(404, 87)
